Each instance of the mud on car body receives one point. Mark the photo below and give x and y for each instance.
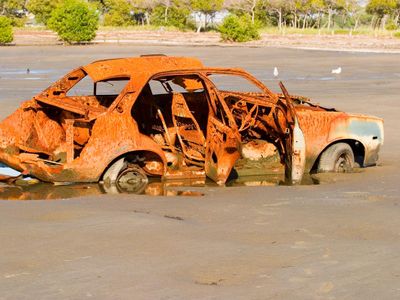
(175, 118)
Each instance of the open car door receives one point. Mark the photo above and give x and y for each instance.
(223, 142)
(295, 158)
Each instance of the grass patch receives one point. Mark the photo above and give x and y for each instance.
(342, 31)
(140, 28)
(367, 31)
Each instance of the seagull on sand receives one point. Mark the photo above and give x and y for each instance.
(337, 71)
(276, 72)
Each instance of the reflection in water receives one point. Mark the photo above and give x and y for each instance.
(48, 191)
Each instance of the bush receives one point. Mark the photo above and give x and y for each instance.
(238, 29)
(119, 14)
(117, 19)
(17, 21)
(391, 25)
(74, 21)
(397, 35)
(6, 33)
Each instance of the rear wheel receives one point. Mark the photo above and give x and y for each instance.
(132, 179)
(337, 158)
(127, 177)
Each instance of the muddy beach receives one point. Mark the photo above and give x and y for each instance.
(255, 239)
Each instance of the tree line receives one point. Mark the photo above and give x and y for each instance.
(181, 14)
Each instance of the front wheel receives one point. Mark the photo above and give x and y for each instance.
(337, 158)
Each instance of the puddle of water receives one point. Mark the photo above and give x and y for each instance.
(155, 187)
(49, 75)
(32, 78)
(26, 71)
(348, 75)
(48, 191)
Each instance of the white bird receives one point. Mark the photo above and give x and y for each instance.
(276, 72)
(337, 71)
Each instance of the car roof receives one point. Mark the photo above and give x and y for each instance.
(144, 65)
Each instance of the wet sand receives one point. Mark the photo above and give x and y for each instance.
(336, 240)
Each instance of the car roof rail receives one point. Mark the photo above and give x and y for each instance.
(147, 55)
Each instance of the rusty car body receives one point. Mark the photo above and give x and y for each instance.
(172, 118)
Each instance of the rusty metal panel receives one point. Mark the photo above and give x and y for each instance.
(56, 137)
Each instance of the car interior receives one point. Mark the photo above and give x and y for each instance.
(173, 111)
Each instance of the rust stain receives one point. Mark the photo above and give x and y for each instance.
(171, 119)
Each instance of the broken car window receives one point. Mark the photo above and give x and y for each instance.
(96, 94)
(86, 87)
(83, 88)
(111, 87)
(234, 83)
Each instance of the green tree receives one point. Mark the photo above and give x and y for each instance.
(317, 8)
(208, 8)
(11, 7)
(100, 5)
(238, 29)
(6, 33)
(310, 12)
(145, 7)
(14, 10)
(330, 7)
(74, 21)
(278, 7)
(397, 13)
(245, 6)
(381, 9)
(347, 9)
(42, 9)
(276, 10)
(118, 13)
(172, 13)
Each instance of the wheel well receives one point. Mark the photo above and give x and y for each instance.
(356, 146)
(138, 157)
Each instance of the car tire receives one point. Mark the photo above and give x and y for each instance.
(122, 176)
(337, 158)
(132, 179)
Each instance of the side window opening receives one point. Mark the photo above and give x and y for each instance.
(234, 83)
(102, 93)
(83, 87)
(235, 91)
(165, 86)
(110, 87)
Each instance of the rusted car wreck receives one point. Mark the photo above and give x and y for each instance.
(175, 118)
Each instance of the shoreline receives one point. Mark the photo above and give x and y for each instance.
(338, 43)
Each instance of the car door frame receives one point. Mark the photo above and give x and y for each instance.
(294, 141)
(294, 153)
(222, 147)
